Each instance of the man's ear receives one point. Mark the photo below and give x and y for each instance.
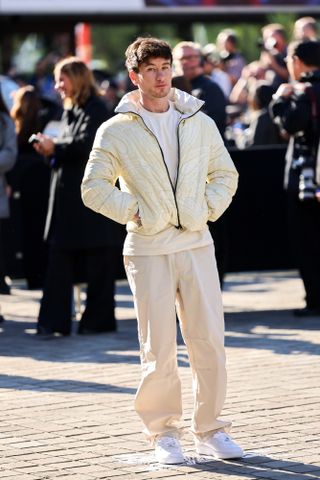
(133, 77)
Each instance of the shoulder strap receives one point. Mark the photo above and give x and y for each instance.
(315, 108)
(315, 112)
(315, 116)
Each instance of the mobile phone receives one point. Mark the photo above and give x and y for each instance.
(33, 139)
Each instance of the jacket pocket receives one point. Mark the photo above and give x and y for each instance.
(194, 215)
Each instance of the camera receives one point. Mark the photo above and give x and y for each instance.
(307, 184)
(270, 44)
(33, 139)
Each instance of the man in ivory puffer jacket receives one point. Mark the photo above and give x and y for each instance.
(124, 148)
(175, 174)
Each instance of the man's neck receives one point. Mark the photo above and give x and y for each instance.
(157, 105)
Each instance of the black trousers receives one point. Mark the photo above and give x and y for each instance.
(99, 267)
(2, 263)
(304, 231)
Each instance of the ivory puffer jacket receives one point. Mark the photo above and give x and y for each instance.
(125, 148)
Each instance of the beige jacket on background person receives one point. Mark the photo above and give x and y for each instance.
(125, 148)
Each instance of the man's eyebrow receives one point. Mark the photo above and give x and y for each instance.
(148, 62)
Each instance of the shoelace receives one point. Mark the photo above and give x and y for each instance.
(168, 442)
(223, 436)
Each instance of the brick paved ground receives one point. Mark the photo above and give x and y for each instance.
(66, 404)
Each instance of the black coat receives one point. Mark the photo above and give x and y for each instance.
(294, 115)
(263, 131)
(69, 223)
(215, 102)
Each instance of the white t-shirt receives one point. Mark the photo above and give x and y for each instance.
(223, 80)
(164, 126)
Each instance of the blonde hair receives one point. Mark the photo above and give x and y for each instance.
(81, 77)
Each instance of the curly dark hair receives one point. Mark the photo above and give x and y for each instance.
(307, 51)
(144, 48)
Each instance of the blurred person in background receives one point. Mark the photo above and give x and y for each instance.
(181, 82)
(110, 94)
(305, 28)
(188, 61)
(251, 73)
(260, 128)
(43, 79)
(234, 61)
(8, 155)
(296, 109)
(273, 52)
(214, 68)
(29, 181)
(78, 237)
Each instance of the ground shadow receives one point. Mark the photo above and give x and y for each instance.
(18, 382)
(240, 332)
(279, 333)
(18, 339)
(252, 465)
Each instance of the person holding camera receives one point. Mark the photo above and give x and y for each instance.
(273, 52)
(233, 60)
(296, 109)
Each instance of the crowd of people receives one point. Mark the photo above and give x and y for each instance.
(237, 95)
(158, 163)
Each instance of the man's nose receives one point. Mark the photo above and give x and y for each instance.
(160, 73)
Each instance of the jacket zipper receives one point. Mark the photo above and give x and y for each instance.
(173, 187)
(178, 167)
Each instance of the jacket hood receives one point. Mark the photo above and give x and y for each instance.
(184, 102)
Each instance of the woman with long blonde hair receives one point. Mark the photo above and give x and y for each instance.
(77, 236)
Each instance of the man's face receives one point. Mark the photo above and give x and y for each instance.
(154, 78)
(276, 40)
(187, 60)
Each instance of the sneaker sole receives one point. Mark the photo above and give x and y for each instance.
(171, 462)
(208, 451)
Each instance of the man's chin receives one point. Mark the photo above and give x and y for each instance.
(162, 92)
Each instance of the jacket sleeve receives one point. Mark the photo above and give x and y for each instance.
(98, 188)
(8, 151)
(222, 178)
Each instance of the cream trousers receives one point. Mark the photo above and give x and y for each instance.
(186, 282)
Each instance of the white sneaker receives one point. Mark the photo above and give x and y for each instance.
(168, 450)
(219, 445)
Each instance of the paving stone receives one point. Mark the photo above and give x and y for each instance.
(67, 405)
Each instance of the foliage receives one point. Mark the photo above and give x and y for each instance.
(111, 41)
